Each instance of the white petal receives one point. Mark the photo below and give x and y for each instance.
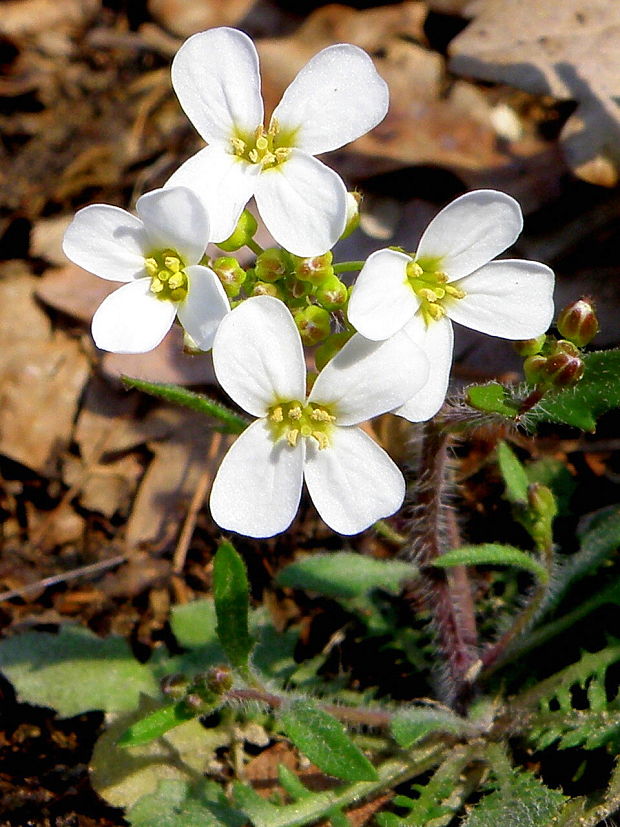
(437, 341)
(353, 482)
(215, 75)
(132, 320)
(368, 378)
(223, 182)
(509, 299)
(108, 242)
(471, 231)
(334, 99)
(382, 301)
(303, 204)
(205, 306)
(258, 486)
(175, 218)
(258, 355)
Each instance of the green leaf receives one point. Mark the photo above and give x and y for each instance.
(325, 742)
(234, 424)
(179, 804)
(75, 671)
(411, 725)
(492, 398)
(555, 475)
(493, 554)
(231, 593)
(522, 802)
(581, 405)
(155, 725)
(346, 574)
(514, 474)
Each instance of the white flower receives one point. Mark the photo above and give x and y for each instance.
(259, 361)
(335, 98)
(157, 254)
(451, 278)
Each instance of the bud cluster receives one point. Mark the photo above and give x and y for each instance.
(558, 363)
(200, 694)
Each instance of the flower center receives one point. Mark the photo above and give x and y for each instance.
(431, 286)
(168, 279)
(268, 148)
(290, 420)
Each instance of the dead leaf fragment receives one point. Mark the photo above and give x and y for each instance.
(567, 50)
(26, 17)
(184, 18)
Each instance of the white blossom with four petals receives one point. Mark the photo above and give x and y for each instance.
(259, 361)
(450, 278)
(336, 97)
(157, 255)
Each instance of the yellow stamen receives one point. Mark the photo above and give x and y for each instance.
(295, 413)
(455, 292)
(291, 437)
(321, 438)
(276, 415)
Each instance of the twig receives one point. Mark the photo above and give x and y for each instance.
(83, 571)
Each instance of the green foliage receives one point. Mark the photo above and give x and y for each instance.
(155, 725)
(75, 671)
(492, 398)
(180, 804)
(346, 574)
(521, 800)
(231, 593)
(514, 474)
(581, 405)
(325, 742)
(177, 395)
(493, 554)
(412, 724)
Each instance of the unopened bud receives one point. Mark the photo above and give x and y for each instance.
(332, 293)
(313, 323)
(315, 269)
(534, 369)
(563, 369)
(578, 322)
(353, 213)
(243, 232)
(264, 288)
(230, 273)
(219, 679)
(530, 347)
(542, 500)
(174, 686)
(271, 265)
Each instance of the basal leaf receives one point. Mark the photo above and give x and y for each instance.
(231, 592)
(346, 574)
(179, 804)
(411, 725)
(522, 802)
(325, 742)
(493, 554)
(75, 671)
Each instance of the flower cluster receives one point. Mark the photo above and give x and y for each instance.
(383, 344)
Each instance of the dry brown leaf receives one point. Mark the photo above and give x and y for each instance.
(46, 239)
(73, 291)
(185, 17)
(568, 50)
(27, 17)
(167, 487)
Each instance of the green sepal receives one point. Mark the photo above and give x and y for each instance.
(177, 395)
(325, 742)
(494, 554)
(492, 398)
(231, 594)
(156, 724)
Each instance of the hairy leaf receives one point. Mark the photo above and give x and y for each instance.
(492, 398)
(411, 725)
(179, 804)
(523, 801)
(492, 554)
(514, 474)
(325, 742)
(231, 593)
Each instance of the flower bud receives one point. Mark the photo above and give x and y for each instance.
(530, 347)
(353, 213)
(534, 369)
(230, 273)
(243, 232)
(174, 686)
(315, 269)
(332, 294)
(578, 322)
(563, 369)
(219, 679)
(264, 288)
(325, 352)
(271, 265)
(313, 323)
(542, 500)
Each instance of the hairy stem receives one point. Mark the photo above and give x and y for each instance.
(447, 595)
